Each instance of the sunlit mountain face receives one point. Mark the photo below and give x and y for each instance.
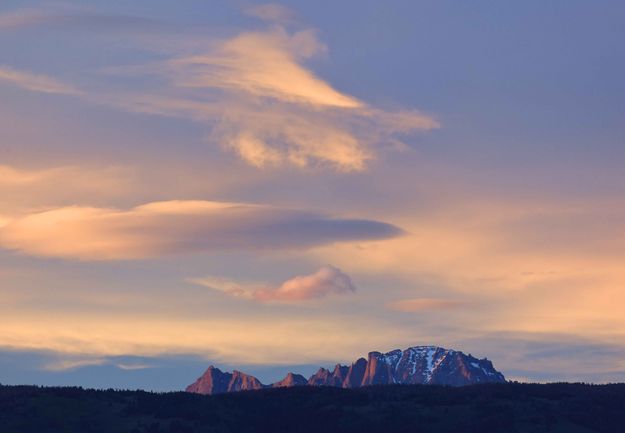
(421, 365)
(275, 188)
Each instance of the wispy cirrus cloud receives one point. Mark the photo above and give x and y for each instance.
(327, 281)
(414, 305)
(66, 16)
(135, 366)
(36, 82)
(254, 91)
(11, 176)
(161, 228)
(59, 362)
(261, 100)
(264, 64)
(271, 12)
(24, 189)
(72, 363)
(22, 18)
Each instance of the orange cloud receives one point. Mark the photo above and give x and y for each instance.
(250, 339)
(254, 91)
(264, 64)
(275, 137)
(154, 229)
(522, 266)
(263, 103)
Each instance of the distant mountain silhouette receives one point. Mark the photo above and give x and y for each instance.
(215, 381)
(291, 379)
(426, 365)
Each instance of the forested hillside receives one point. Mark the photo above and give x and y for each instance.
(506, 408)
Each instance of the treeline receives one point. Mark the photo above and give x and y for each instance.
(505, 408)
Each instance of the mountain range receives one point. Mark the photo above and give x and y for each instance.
(428, 365)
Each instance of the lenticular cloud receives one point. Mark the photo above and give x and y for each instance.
(178, 227)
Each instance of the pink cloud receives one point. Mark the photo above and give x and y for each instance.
(328, 280)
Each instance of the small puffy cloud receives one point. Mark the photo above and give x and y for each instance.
(328, 280)
(35, 82)
(161, 228)
(422, 304)
(276, 137)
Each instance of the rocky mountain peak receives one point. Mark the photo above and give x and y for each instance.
(428, 365)
(291, 379)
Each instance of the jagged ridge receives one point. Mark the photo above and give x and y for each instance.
(429, 365)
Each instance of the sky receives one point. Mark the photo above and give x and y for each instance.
(282, 186)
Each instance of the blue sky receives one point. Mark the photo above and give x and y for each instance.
(278, 186)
